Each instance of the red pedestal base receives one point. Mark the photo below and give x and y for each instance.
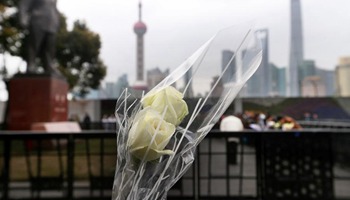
(36, 98)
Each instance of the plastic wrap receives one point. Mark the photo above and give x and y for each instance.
(152, 176)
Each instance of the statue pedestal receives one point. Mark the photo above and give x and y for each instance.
(36, 98)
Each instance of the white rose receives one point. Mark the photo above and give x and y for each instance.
(176, 107)
(147, 123)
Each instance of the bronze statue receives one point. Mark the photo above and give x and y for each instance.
(41, 19)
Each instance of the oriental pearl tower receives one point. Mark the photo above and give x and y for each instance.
(140, 29)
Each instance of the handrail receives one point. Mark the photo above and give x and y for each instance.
(111, 133)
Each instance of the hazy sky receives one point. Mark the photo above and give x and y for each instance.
(176, 28)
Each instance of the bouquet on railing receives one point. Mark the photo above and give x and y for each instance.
(158, 134)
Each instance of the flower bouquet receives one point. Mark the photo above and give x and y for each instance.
(158, 134)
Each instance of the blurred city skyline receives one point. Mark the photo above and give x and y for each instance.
(176, 28)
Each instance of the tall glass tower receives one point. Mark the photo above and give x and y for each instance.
(259, 85)
(231, 69)
(296, 50)
(265, 71)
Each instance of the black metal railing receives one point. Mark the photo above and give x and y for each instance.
(229, 165)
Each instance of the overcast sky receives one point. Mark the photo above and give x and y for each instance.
(176, 28)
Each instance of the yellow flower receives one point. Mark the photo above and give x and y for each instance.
(172, 99)
(148, 123)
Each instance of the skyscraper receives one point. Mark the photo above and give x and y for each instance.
(140, 29)
(328, 76)
(274, 80)
(263, 35)
(306, 68)
(281, 83)
(253, 88)
(155, 76)
(259, 85)
(342, 73)
(296, 49)
(231, 68)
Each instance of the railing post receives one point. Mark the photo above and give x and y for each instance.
(196, 179)
(6, 172)
(259, 160)
(330, 140)
(70, 166)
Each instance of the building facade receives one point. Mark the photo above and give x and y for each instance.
(342, 74)
(229, 65)
(155, 76)
(259, 85)
(306, 68)
(296, 56)
(328, 77)
(313, 86)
